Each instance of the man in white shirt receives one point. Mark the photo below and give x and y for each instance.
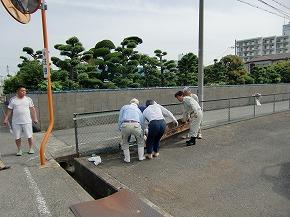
(24, 114)
(131, 122)
(154, 114)
(192, 113)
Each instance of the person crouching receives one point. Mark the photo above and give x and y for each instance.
(192, 113)
(131, 122)
(154, 114)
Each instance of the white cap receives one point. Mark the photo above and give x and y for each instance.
(185, 89)
(134, 100)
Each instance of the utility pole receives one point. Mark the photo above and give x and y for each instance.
(200, 53)
(46, 70)
(7, 70)
(235, 47)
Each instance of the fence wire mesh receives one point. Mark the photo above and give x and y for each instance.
(1, 112)
(100, 129)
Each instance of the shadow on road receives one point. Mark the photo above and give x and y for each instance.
(279, 176)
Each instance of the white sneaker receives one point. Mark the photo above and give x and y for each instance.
(19, 153)
(31, 151)
(199, 136)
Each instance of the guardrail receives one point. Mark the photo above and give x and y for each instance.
(97, 130)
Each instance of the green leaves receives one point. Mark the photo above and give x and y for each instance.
(107, 66)
(36, 56)
(187, 70)
(29, 75)
(276, 73)
(105, 44)
(101, 52)
(28, 50)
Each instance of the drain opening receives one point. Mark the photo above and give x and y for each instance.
(89, 181)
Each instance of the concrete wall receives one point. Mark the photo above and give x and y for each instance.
(67, 103)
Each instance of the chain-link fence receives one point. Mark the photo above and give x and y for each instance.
(98, 130)
(1, 112)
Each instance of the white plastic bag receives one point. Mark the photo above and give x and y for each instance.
(257, 98)
(258, 102)
(96, 160)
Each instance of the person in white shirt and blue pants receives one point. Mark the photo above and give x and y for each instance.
(154, 114)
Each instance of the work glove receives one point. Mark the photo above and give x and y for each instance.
(176, 123)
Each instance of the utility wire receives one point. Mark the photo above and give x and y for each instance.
(223, 53)
(255, 6)
(277, 9)
(281, 4)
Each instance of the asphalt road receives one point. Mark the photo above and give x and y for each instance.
(240, 169)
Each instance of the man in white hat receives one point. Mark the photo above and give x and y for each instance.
(131, 122)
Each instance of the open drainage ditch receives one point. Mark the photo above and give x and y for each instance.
(90, 182)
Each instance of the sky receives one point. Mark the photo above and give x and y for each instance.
(169, 25)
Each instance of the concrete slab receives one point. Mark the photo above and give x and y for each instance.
(241, 169)
(28, 190)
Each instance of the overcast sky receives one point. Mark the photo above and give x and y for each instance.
(169, 25)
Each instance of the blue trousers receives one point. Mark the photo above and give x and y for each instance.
(156, 129)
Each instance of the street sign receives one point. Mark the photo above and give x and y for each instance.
(45, 62)
(26, 6)
(15, 13)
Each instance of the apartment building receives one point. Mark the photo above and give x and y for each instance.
(249, 48)
(286, 29)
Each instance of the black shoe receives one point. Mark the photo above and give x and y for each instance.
(191, 141)
(4, 168)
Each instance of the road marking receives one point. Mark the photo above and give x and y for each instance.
(41, 204)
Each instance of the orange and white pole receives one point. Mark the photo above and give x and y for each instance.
(46, 68)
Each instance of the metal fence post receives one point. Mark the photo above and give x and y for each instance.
(229, 111)
(254, 98)
(274, 104)
(76, 135)
(289, 101)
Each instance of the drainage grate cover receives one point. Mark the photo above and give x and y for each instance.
(120, 204)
